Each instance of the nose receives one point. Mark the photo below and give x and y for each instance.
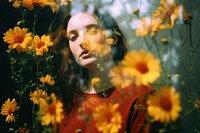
(82, 39)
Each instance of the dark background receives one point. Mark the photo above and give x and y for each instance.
(188, 84)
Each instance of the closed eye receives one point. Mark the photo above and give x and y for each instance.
(72, 35)
(92, 29)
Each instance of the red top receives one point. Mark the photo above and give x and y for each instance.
(132, 118)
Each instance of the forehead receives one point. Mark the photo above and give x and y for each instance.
(81, 20)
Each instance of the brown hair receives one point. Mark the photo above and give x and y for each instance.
(71, 77)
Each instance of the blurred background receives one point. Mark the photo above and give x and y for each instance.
(182, 65)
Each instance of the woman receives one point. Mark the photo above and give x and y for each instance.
(77, 41)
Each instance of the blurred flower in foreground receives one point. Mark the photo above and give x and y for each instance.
(108, 119)
(168, 11)
(96, 82)
(51, 110)
(136, 11)
(147, 26)
(55, 5)
(142, 67)
(119, 78)
(47, 79)
(187, 18)
(40, 45)
(31, 4)
(24, 130)
(37, 95)
(16, 3)
(8, 108)
(197, 102)
(164, 105)
(18, 39)
(164, 41)
(99, 47)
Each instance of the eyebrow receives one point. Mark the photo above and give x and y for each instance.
(88, 26)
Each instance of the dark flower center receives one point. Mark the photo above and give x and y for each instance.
(19, 39)
(10, 111)
(166, 103)
(52, 109)
(142, 67)
(40, 44)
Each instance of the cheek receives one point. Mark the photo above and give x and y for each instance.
(94, 38)
(74, 49)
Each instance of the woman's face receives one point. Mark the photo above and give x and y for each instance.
(83, 28)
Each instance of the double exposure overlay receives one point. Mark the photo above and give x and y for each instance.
(163, 54)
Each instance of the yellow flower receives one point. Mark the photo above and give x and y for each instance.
(18, 39)
(197, 103)
(108, 119)
(8, 108)
(168, 11)
(55, 5)
(164, 41)
(16, 3)
(136, 11)
(187, 17)
(24, 130)
(147, 26)
(51, 110)
(96, 82)
(40, 45)
(164, 105)
(119, 78)
(47, 79)
(37, 95)
(31, 4)
(99, 47)
(142, 67)
(78, 131)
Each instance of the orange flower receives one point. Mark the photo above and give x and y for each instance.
(8, 108)
(37, 95)
(142, 67)
(164, 105)
(119, 77)
(40, 45)
(51, 110)
(31, 4)
(47, 79)
(168, 11)
(108, 119)
(55, 5)
(96, 82)
(17, 3)
(18, 39)
(100, 47)
(147, 26)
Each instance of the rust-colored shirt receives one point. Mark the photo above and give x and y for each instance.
(130, 100)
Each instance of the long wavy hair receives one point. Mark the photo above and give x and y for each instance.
(72, 78)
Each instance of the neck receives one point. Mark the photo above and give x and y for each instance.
(105, 79)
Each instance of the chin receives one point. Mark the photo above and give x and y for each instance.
(89, 63)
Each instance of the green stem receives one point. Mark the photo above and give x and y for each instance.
(190, 111)
(158, 51)
(190, 34)
(147, 43)
(181, 37)
(34, 22)
(23, 16)
(139, 8)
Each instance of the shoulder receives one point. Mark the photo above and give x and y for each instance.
(134, 91)
(135, 96)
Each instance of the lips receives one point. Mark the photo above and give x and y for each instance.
(83, 53)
